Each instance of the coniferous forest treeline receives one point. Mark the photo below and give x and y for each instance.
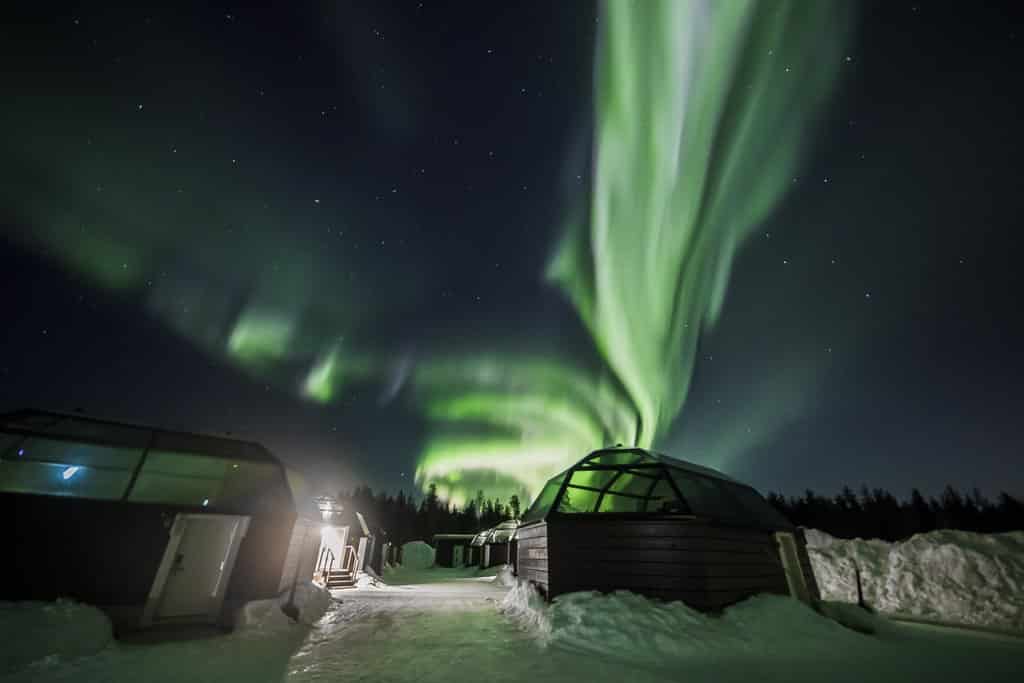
(403, 518)
(870, 514)
(879, 514)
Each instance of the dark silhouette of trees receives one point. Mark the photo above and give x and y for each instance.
(871, 513)
(402, 519)
(879, 514)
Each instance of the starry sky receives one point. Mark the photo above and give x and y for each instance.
(326, 226)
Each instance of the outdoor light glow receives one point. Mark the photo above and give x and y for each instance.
(69, 472)
(21, 451)
(206, 501)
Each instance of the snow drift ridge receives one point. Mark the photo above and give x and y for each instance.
(954, 576)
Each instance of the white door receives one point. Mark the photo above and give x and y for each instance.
(457, 556)
(196, 567)
(361, 555)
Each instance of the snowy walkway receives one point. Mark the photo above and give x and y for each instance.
(442, 626)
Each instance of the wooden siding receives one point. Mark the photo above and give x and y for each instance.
(532, 551)
(106, 553)
(498, 555)
(705, 565)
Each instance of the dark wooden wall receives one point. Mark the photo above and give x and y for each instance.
(106, 553)
(532, 551)
(445, 551)
(498, 555)
(705, 565)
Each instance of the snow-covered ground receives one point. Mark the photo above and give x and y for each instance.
(444, 625)
(953, 576)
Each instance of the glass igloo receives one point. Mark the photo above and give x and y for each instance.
(635, 481)
(631, 519)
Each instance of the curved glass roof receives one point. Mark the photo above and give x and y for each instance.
(503, 532)
(637, 481)
(74, 456)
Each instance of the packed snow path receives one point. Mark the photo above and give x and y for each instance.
(438, 625)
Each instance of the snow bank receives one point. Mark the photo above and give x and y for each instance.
(505, 577)
(44, 633)
(955, 576)
(634, 628)
(311, 600)
(417, 555)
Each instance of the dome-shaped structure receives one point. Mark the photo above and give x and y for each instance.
(634, 480)
(632, 519)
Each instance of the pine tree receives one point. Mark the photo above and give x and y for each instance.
(513, 504)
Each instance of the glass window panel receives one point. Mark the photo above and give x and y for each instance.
(664, 499)
(594, 478)
(634, 484)
(707, 498)
(578, 500)
(59, 479)
(179, 478)
(245, 481)
(82, 454)
(166, 488)
(185, 465)
(616, 503)
(542, 504)
(757, 506)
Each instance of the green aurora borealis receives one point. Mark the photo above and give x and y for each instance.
(700, 109)
(697, 136)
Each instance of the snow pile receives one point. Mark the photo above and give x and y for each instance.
(417, 555)
(311, 600)
(505, 577)
(637, 629)
(45, 633)
(525, 605)
(954, 576)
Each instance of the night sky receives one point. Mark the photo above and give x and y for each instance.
(326, 227)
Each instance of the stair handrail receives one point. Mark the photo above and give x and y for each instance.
(348, 559)
(327, 564)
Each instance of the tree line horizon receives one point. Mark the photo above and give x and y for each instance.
(869, 513)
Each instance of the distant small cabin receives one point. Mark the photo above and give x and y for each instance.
(349, 546)
(476, 549)
(631, 519)
(496, 544)
(452, 550)
(152, 526)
